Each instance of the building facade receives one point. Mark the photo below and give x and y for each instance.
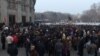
(16, 11)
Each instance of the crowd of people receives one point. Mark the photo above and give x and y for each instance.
(51, 40)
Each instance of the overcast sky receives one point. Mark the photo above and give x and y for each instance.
(64, 6)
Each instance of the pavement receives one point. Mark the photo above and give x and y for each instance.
(21, 52)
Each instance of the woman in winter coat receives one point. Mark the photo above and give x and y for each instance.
(33, 52)
(12, 49)
(66, 49)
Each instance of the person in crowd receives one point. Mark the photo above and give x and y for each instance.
(3, 40)
(33, 51)
(58, 48)
(98, 44)
(12, 48)
(81, 47)
(9, 39)
(27, 45)
(82, 42)
(66, 47)
(15, 39)
(41, 48)
(22, 38)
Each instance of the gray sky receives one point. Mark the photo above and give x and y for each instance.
(64, 6)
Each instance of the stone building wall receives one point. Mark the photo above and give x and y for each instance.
(14, 10)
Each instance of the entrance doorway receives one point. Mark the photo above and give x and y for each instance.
(30, 19)
(12, 20)
(23, 20)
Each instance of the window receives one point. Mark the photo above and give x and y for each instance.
(12, 20)
(23, 20)
(23, 8)
(12, 4)
(23, 5)
(32, 5)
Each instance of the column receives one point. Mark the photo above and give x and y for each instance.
(19, 16)
(4, 16)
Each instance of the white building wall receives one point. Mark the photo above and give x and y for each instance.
(0, 11)
(4, 11)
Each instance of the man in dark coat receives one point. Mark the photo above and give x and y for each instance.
(3, 40)
(40, 48)
(12, 50)
(58, 48)
(97, 43)
(81, 45)
(27, 46)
